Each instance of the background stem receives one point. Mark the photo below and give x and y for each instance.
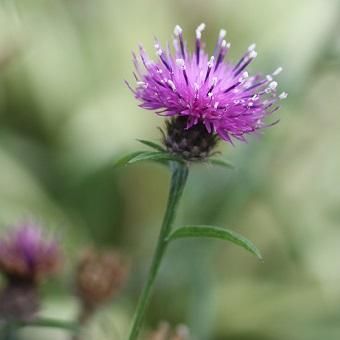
(9, 331)
(50, 323)
(178, 180)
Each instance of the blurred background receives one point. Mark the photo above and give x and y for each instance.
(66, 116)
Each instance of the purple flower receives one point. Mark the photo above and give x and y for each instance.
(205, 90)
(27, 254)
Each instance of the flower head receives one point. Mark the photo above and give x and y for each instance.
(26, 254)
(206, 90)
(100, 276)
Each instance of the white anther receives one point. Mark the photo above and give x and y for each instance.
(223, 44)
(211, 62)
(252, 54)
(172, 85)
(277, 71)
(159, 51)
(283, 95)
(199, 30)
(269, 77)
(251, 47)
(250, 104)
(180, 63)
(273, 85)
(244, 76)
(228, 45)
(142, 83)
(222, 34)
(216, 105)
(178, 30)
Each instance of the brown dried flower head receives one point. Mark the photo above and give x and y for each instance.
(100, 276)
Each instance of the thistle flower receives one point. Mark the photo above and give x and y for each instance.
(99, 277)
(27, 255)
(217, 97)
(26, 258)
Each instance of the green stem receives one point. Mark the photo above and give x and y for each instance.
(178, 180)
(9, 331)
(50, 323)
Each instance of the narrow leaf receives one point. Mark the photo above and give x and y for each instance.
(153, 156)
(222, 162)
(214, 232)
(151, 144)
(125, 159)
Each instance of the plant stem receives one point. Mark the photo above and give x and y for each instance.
(178, 180)
(50, 323)
(9, 331)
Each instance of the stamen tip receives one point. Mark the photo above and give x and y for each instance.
(211, 62)
(273, 85)
(251, 47)
(178, 30)
(222, 34)
(201, 27)
(283, 95)
(277, 71)
(252, 54)
(180, 62)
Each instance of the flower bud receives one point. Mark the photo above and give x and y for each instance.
(100, 276)
(191, 144)
(26, 258)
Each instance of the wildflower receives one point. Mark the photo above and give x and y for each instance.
(204, 94)
(99, 277)
(26, 258)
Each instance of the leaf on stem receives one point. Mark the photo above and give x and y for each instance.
(221, 162)
(154, 156)
(151, 144)
(158, 156)
(214, 232)
(125, 159)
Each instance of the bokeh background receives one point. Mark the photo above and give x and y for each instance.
(66, 116)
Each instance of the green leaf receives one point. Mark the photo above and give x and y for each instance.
(222, 162)
(125, 159)
(154, 156)
(214, 232)
(158, 156)
(151, 144)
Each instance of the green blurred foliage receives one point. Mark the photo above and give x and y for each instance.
(66, 115)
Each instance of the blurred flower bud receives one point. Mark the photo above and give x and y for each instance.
(100, 276)
(19, 301)
(26, 258)
(164, 332)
